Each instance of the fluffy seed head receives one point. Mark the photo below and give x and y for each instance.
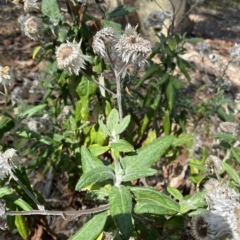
(228, 127)
(32, 27)
(11, 155)
(5, 78)
(208, 226)
(104, 40)
(132, 48)
(213, 164)
(69, 57)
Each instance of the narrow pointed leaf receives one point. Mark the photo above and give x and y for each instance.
(22, 227)
(88, 160)
(120, 200)
(97, 174)
(92, 229)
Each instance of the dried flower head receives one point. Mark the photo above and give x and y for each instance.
(104, 40)
(228, 127)
(235, 53)
(4, 166)
(32, 27)
(155, 20)
(35, 126)
(2, 208)
(30, 5)
(5, 78)
(11, 155)
(209, 226)
(216, 191)
(213, 164)
(64, 114)
(132, 48)
(203, 47)
(69, 57)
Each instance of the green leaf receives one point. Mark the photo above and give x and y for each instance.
(192, 202)
(103, 127)
(145, 156)
(122, 146)
(166, 123)
(236, 154)
(121, 10)
(113, 120)
(8, 195)
(172, 43)
(183, 139)
(175, 193)
(170, 95)
(180, 63)
(97, 150)
(154, 68)
(123, 125)
(97, 174)
(120, 200)
(88, 160)
(138, 173)
(113, 25)
(156, 197)
(176, 82)
(194, 40)
(35, 51)
(33, 110)
(22, 227)
(33, 135)
(50, 8)
(233, 174)
(6, 124)
(149, 206)
(86, 88)
(92, 228)
(225, 136)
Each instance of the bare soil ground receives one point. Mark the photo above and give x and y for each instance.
(218, 25)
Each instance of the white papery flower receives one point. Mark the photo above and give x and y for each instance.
(5, 78)
(32, 27)
(132, 48)
(69, 57)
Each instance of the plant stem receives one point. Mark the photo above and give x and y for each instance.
(119, 95)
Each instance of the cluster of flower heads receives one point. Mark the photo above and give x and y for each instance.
(222, 219)
(129, 47)
(8, 160)
(28, 5)
(5, 78)
(156, 19)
